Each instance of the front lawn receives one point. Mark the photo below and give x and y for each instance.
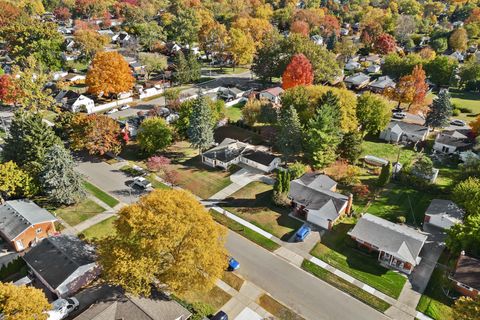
(155, 183)
(100, 194)
(237, 133)
(233, 280)
(385, 150)
(278, 310)
(434, 303)
(215, 298)
(469, 100)
(337, 249)
(254, 204)
(398, 200)
(101, 230)
(79, 212)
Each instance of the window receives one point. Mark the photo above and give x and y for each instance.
(39, 230)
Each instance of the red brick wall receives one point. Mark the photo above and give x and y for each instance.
(464, 291)
(28, 236)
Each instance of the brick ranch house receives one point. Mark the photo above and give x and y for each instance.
(466, 277)
(23, 223)
(398, 246)
(314, 199)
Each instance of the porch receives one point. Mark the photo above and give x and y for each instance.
(390, 261)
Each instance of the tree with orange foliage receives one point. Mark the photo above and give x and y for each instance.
(8, 13)
(300, 27)
(109, 74)
(384, 44)
(403, 92)
(427, 53)
(298, 72)
(475, 124)
(420, 85)
(329, 25)
(9, 92)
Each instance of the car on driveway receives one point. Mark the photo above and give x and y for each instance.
(61, 308)
(399, 115)
(302, 233)
(141, 182)
(112, 111)
(456, 122)
(220, 316)
(125, 107)
(233, 264)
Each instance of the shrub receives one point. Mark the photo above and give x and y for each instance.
(465, 110)
(296, 170)
(280, 199)
(401, 219)
(361, 191)
(456, 112)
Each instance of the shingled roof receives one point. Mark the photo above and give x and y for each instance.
(468, 271)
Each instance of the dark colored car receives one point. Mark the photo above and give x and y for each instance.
(220, 316)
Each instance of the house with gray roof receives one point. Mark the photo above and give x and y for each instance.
(230, 152)
(443, 213)
(381, 83)
(314, 198)
(64, 264)
(466, 276)
(398, 246)
(357, 81)
(23, 223)
(453, 141)
(399, 131)
(128, 307)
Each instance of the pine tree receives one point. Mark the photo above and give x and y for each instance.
(351, 146)
(385, 175)
(194, 67)
(59, 181)
(28, 141)
(323, 133)
(200, 130)
(332, 41)
(290, 132)
(182, 70)
(440, 111)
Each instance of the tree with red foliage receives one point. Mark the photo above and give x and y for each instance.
(329, 25)
(8, 13)
(298, 72)
(300, 27)
(171, 176)
(107, 20)
(156, 163)
(8, 90)
(370, 32)
(385, 44)
(421, 88)
(84, 25)
(62, 13)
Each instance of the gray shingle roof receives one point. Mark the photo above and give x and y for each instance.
(258, 156)
(468, 271)
(56, 258)
(408, 127)
(399, 240)
(447, 207)
(133, 308)
(16, 216)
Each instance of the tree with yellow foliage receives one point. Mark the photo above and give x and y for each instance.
(166, 239)
(109, 74)
(466, 308)
(241, 46)
(22, 303)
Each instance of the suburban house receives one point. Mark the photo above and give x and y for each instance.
(75, 101)
(379, 85)
(352, 65)
(121, 38)
(452, 141)
(231, 151)
(273, 95)
(443, 213)
(314, 198)
(129, 307)
(466, 277)
(399, 131)
(73, 77)
(357, 81)
(229, 94)
(317, 39)
(23, 224)
(374, 68)
(398, 245)
(63, 264)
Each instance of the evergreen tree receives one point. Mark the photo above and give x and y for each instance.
(58, 179)
(323, 133)
(440, 112)
(28, 141)
(332, 41)
(290, 132)
(351, 147)
(182, 70)
(194, 67)
(200, 130)
(385, 175)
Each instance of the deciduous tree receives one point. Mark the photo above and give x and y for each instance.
(200, 130)
(440, 111)
(298, 72)
(156, 163)
(58, 179)
(465, 236)
(251, 111)
(241, 46)
(62, 13)
(23, 302)
(153, 62)
(154, 135)
(9, 93)
(458, 39)
(384, 44)
(466, 308)
(420, 85)
(373, 113)
(149, 34)
(467, 195)
(300, 27)
(15, 182)
(89, 42)
(166, 239)
(441, 70)
(109, 74)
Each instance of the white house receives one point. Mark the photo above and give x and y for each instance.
(443, 214)
(397, 131)
(352, 65)
(374, 68)
(73, 77)
(75, 102)
(231, 151)
(452, 141)
(273, 95)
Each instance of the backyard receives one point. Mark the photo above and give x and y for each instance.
(338, 250)
(468, 100)
(101, 230)
(385, 150)
(79, 212)
(254, 203)
(234, 112)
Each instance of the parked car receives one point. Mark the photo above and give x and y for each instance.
(220, 316)
(399, 115)
(141, 182)
(61, 308)
(112, 111)
(302, 233)
(125, 107)
(456, 122)
(233, 264)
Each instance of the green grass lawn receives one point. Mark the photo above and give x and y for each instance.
(254, 204)
(385, 150)
(225, 70)
(101, 230)
(345, 286)
(398, 200)
(100, 194)
(234, 112)
(470, 100)
(215, 298)
(80, 212)
(244, 231)
(434, 303)
(155, 183)
(278, 310)
(338, 250)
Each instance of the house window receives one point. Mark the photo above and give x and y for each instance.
(39, 230)
(464, 286)
(445, 149)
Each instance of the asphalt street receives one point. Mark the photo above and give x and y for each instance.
(311, 297)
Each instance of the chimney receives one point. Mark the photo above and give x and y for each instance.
(349, 204)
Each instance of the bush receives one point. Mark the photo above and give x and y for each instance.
(456, 112)
(361, 191)
(202, 310)
(280, 199)
(296, 170)
(401, 219)
(465, 110)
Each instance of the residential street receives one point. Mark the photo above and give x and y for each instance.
(313, 298)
